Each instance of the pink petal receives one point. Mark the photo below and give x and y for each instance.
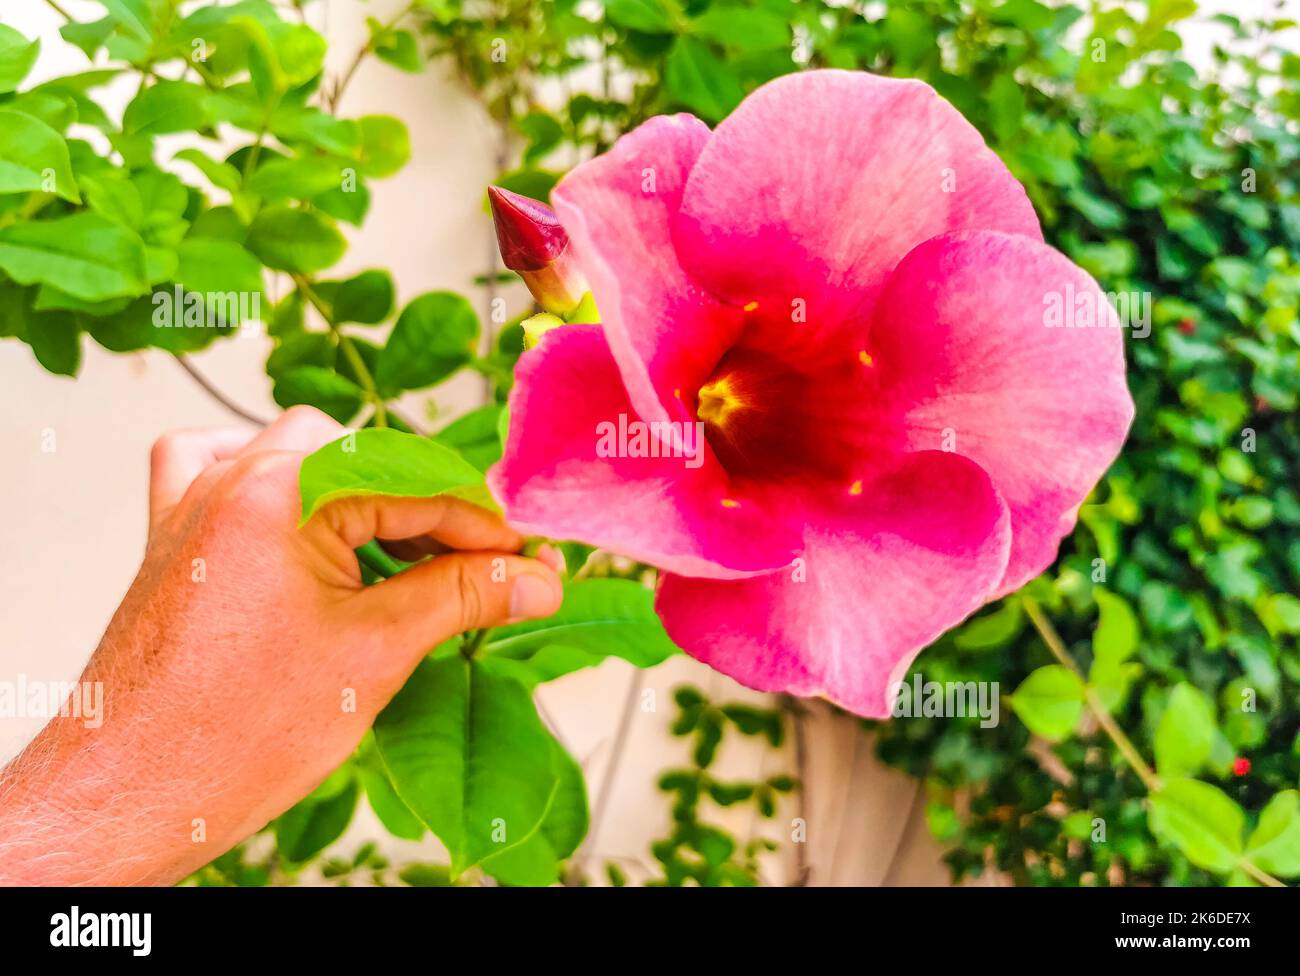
(665, 331)
(886, 573)
(553, 482)
(819, 183)
(960, 339)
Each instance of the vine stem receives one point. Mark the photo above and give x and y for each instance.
(1260, 875)
(216, 394)
(1122, 742)
(1117, 735)
(374, 557)
(611, 768)
(349, 350)
(337, 94)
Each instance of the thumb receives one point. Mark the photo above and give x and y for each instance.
(432, 601)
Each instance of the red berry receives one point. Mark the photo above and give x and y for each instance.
(1187, 327)
(1240, 767)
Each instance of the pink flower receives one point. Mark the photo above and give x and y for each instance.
(851, 293)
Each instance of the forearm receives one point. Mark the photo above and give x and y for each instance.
(72, 814)
(99, 798)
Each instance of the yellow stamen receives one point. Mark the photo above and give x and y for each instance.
(863, 358)
(678, 393)
(717, 401)
(855, 488)
(751, 306)
(730, 503)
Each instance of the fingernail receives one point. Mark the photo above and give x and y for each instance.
(551, 556)
(531, 596)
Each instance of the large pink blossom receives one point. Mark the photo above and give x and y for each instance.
(849, 289)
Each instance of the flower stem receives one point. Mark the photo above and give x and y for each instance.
(1122, 742)
(373, 556)
(341, 85)
(470, 642)
(349, 350)
(216, 394)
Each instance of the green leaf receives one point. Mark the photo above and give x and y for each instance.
(993, 629)
(1111, 681)
(385, 145)
(280, 56)
(647, 16)
(1274, 845)
(133, 15)
(301, 241)
(90, 36)
(1201, 821)
(395, 47)
(1116, 637)
(543, 132)
(377, 461)
(745, 28)
(219, 174)
(366, 298)
(33, 157)
(536, 862)
(469, 756)
(698, 79)
(317, 821)
(1050, 701)
(395, 815)
(324, 389)
(55, 340)
(1186, 731)
(599, 618)
(168, 106)
(296, 179)
(426, 876)
(1006, 101)
(85, 255)
(475, 436)
(294, 124)
(1113, 642)
(219, 268)
(17, 55)
(56, 109)
(345, 202)
(302, 349)
(1281, 613)
(435, 335)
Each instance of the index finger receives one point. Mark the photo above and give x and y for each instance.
(180, 456)
(451, 521)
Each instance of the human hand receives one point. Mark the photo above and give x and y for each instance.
(247, 660)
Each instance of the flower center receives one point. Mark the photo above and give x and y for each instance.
(765, 419)
(719, 401)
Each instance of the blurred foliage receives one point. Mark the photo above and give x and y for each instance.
(696, 851)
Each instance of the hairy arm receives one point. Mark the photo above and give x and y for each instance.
(247, 660)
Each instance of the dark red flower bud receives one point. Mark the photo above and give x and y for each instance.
(534, 245)
(528, 232)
